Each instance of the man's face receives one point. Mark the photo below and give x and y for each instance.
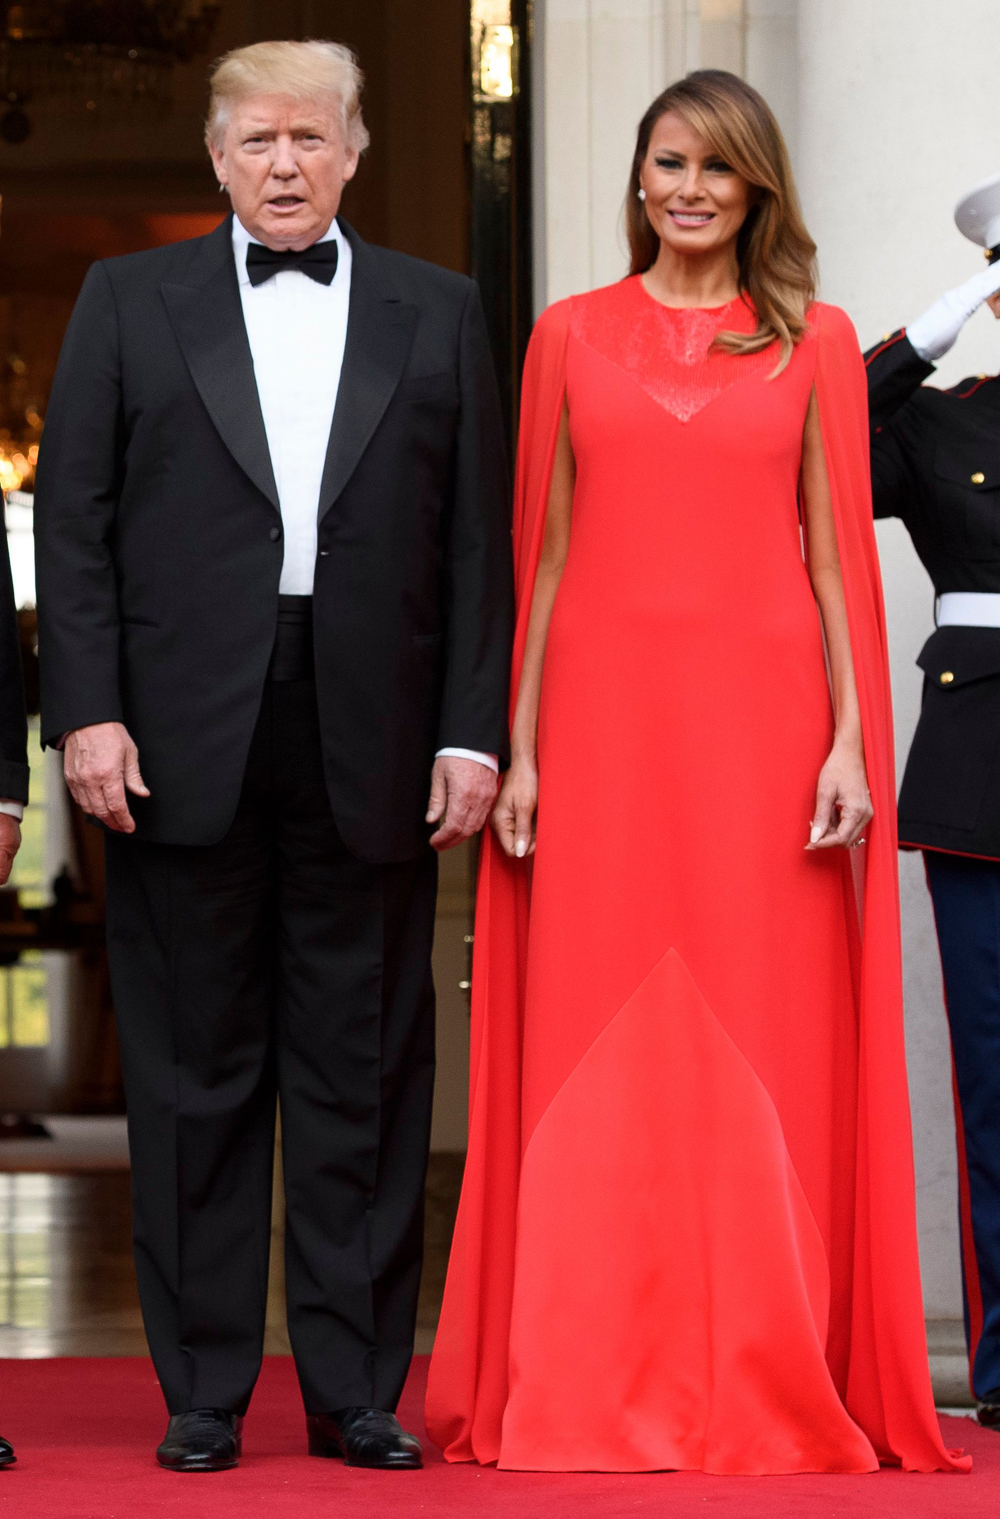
(285, 163)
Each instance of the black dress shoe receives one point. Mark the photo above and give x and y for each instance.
(988, 1412)
(7, 1456)
(364, 1437)
(205, 1440)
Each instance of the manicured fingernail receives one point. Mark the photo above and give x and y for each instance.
(520, 849)
(815, 833)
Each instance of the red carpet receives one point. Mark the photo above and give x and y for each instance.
(85, 1432)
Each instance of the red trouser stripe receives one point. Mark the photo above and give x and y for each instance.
(970, 1268)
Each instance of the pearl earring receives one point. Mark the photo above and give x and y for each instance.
(642, 194)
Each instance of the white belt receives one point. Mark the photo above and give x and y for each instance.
(969, 609)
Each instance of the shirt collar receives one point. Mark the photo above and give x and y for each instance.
(242, 241)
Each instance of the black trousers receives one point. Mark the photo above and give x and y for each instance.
(274, 963)
(966, 896)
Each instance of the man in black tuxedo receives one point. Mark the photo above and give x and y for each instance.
(274, 573)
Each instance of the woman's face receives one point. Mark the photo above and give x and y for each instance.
(695, 202)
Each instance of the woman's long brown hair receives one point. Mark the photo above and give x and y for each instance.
(775, 254)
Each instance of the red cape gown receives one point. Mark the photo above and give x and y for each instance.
(687, 1235)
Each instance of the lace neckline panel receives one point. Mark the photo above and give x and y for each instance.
(668, 349)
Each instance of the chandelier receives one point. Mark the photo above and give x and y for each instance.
(97, 57)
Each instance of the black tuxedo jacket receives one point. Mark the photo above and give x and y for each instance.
(159, 541)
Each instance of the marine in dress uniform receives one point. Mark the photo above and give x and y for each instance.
(936, 466)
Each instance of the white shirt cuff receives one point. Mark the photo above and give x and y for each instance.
(490, 760)
(13, 809)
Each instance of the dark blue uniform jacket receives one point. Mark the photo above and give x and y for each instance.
(936, 465)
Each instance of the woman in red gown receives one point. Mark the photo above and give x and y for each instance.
(686, 1238)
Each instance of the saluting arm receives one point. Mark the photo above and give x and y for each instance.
(896, 368)
(895, 374)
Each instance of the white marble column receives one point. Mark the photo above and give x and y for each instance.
(897, 116)
(603, 61)
(600, 63)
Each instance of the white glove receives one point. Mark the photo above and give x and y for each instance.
(934, 333)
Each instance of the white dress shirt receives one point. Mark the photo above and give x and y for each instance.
(297, 330)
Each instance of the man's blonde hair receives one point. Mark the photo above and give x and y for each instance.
(304, 70)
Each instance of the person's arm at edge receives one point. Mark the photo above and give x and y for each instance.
(14, 774)
(895, 373)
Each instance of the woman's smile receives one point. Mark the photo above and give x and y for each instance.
(691, 218)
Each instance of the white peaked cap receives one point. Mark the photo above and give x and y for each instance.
(977, 215)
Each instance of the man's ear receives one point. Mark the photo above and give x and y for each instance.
(217, 156)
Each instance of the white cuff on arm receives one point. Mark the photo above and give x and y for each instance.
(490, 760)
(13, 809)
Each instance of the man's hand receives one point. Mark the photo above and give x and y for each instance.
(462, 793)
(10, 843)
(101, 763)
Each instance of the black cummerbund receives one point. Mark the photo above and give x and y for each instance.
(292, 658)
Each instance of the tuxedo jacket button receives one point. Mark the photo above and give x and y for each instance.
(275, 534)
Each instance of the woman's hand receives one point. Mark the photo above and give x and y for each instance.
(843, 803)
(514, 814)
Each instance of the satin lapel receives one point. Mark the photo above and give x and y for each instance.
(380, 330)
(207, 317)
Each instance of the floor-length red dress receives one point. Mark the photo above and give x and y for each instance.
(686, 1237)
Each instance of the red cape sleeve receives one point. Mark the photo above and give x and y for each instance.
(889, 1390)
(469, 1368)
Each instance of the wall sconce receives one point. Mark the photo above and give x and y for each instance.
(498, 63)
(495, 44)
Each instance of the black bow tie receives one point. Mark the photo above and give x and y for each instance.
(319, 262)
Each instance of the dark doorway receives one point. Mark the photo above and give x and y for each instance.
(500, 153)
